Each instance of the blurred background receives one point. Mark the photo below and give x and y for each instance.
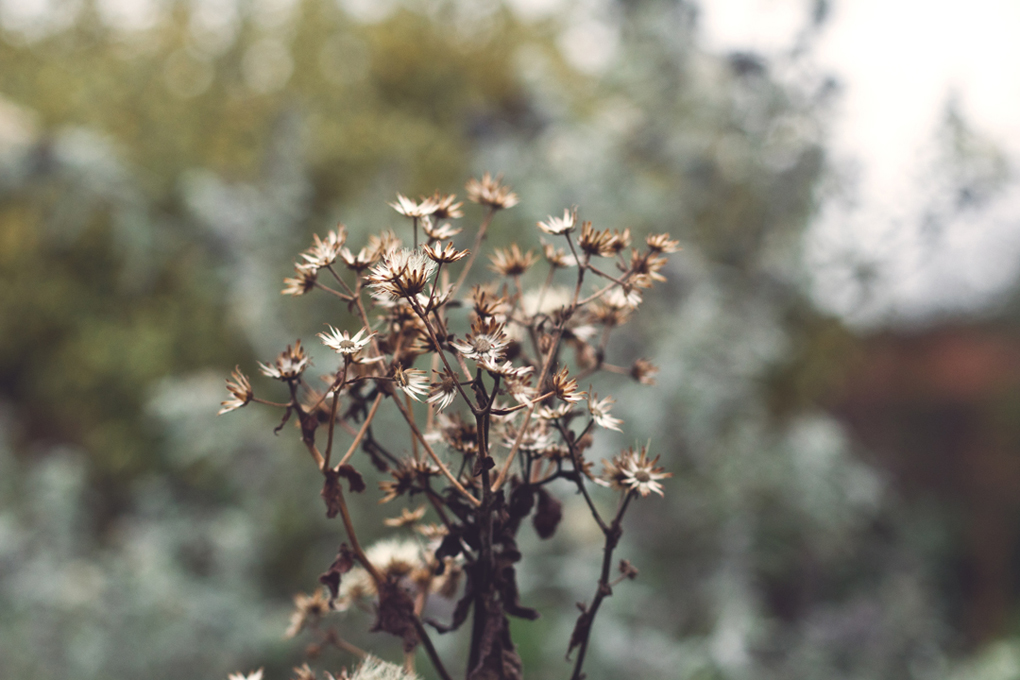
(839, 396)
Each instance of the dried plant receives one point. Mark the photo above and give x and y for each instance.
(501, 416)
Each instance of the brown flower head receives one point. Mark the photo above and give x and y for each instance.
(486, 343)
(343, 343)
(289, 365)
(437, 231)
(240, 388)
(644, 371)
(408, 475)
(599, 411)
(363, 260)
(560, 225)
(412, 381)
(381, 245)
(254, 675)
(443, 392)
(595, 242)
(445, 254)
(406, 517)
(633, 471)
(660, 243)
(489, 191)
(487, 305)
(324, 252)
(308, 611)
(458, 434)
(402, 273)
(446, 209)
(405, 206)
(648, 266)
(303, 282)
(558, 257)
(565, 387)
(511, 261)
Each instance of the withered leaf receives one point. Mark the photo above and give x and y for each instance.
(309, 423)
(354, 479)
(511, 596)
(548, 515)
(331, 492)
(482, 464)
(449, 547)
(396, 614)
(581, 629)
(522, 500)
(343, 563)
(497, 658)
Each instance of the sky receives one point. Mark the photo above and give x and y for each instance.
(899, 63)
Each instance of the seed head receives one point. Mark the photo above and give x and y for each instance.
(488, 191)
(343, 343)
(511, 261)
(405, 206)
(240, 388)
(303, 282)
(560, 225)
(289, 365)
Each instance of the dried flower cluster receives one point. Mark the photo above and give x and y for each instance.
(494, 414)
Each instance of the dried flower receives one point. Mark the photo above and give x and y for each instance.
(374, 669)
(406, 517)
(554, 412)
(485, 344)
(560, 225)
(396, 556)
(412, 381)
(622, 297)
(405, 206)
(289, 365)
(303, 282)
(308, 610)
(599, 411)
(254, 675)
(363, 260)
(303, 672)
(407, 474)
(565, 388)
(324, 253)
(558, 257)
(601, 243)
(240, 388)
(490, 192)
(644, 371)
(618, 241)
(487, 305)
(343, 343)
(402, 273)
(660, 243)
(632, 471)
(511, 261)
(443, 392)
(439, 232)
(446, 255)
(445, 207)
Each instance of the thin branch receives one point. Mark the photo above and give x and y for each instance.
(604, 589)
(362, 431)
(435, 458)
(474, 250)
